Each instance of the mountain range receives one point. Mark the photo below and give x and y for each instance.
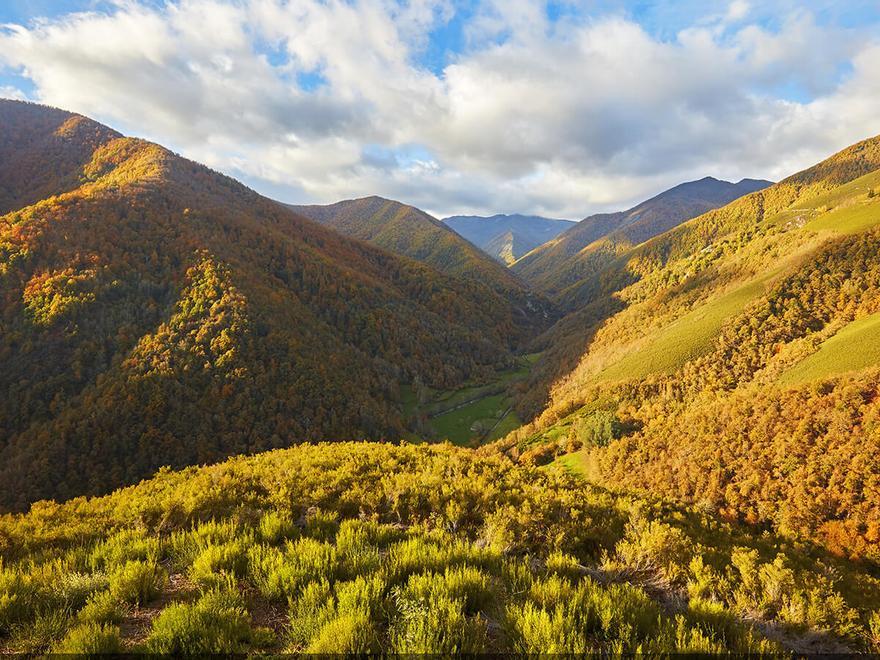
(730, 360)
(684, 401)
(507, 237)
(155, 312)
(574, 255)
(410, 232)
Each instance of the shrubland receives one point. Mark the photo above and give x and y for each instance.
(357, 547)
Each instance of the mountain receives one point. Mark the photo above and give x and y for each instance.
(154, 312)
(574, 255)
(507, 237)
(731, 361)
(357, 548)
(410, 232)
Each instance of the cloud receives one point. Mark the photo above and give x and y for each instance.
(319, 100)
(9, 92)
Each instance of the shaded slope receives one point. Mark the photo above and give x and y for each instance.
(405, 230)
(507, 237)
(576, 254)
(155, 312)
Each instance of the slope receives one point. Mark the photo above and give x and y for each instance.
(724, 361)
(410, 232)
(362, 548)
(507, 237)
(582, 250)
(154, 312)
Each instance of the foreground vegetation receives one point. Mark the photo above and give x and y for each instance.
(369, 547)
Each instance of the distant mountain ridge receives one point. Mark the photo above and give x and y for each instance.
(564, 260)
(408, 231)
(507, 237)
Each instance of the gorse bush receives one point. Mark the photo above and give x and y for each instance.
(216, 623)
(342, 619)
(90, 639)
(137, 581)
(429, 549)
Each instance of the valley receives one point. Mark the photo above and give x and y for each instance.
(472, 415)
(231, 425)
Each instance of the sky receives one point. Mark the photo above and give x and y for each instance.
(554, 108)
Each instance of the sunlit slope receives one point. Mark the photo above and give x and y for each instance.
(776, 290)
(155, 312)
(371, 548)
(559, 265)
(854, 347)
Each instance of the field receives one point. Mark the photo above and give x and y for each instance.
(854, 347)
(474, 414)
(686, 338)
(462, 425)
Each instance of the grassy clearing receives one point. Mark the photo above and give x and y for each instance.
(849, 219)
(856, 346)
(471, 414)
(475, 419)
(686, 338)
(574, 463)
(507, 424)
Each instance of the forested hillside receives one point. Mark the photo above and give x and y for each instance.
(410, 232)
(561, 266)
(507, 237)
(363, 547)
(153, 312)
(730, 362)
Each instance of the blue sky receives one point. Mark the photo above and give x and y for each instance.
(560, 108)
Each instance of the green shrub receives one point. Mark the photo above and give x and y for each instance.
(874, 631)
(280, 574)
(89, 639)
(597, 429)
(537, 630)
(309, 612)
(102, 607)
(39, 634)
(322, 525)
(655, 547)
(137, 582)
(337, 620)
(275, 527)
(359, 546)
(124, 546)
(436, 625)
(16, 598)
(215, 562)
(434, 553)
(463, 584)
(216, 623)
(563, 564)
(74, 589)
(347, 633)
(565, 617)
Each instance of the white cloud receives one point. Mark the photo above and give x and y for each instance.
(559, 118)
(8, 92)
